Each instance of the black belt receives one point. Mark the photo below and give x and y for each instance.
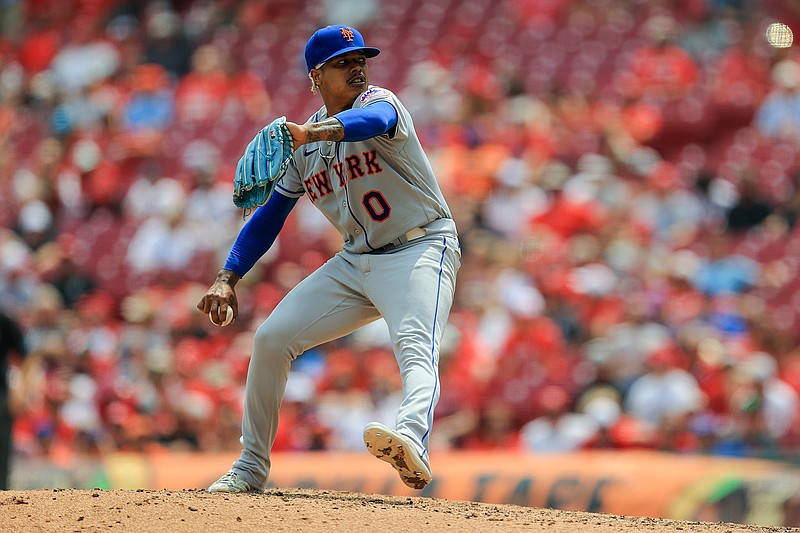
(410, 235)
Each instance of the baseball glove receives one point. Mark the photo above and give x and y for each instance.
(265, 160)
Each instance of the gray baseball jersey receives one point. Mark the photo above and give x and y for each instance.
(399, 262)
(372, 191)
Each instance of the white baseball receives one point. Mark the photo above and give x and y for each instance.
(228, 317)
(779, 35)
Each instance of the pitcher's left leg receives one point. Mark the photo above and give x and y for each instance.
(413, 290)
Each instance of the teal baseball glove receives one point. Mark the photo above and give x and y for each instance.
(265, 160)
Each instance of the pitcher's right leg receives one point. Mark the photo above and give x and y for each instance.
(324, 306)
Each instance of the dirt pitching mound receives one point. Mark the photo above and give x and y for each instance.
(304, 511)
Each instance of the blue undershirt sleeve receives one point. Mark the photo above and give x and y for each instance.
(367, 122)
(259, 233)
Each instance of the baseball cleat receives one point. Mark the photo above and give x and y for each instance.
(397, 450)
(231, 482)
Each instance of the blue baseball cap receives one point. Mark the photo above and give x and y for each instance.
(332, 41)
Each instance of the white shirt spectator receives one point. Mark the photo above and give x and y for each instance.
(563, 433)
(661, 394)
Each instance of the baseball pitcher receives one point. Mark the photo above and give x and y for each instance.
(359, 161)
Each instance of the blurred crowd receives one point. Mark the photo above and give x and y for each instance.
(624, 175)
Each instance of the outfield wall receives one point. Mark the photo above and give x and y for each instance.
(641, 483)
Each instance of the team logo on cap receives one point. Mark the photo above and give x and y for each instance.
(347, 33)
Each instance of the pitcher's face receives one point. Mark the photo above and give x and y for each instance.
(341, 80)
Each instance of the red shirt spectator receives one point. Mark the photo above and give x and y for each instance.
(662, 69)
(200, 92)
(39, 48)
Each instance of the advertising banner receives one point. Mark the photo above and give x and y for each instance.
(637, 483)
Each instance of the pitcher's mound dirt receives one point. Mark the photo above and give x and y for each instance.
(305, 511)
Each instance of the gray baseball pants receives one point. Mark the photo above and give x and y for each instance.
(410, 286)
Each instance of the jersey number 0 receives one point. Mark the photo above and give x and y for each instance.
(376, 205)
